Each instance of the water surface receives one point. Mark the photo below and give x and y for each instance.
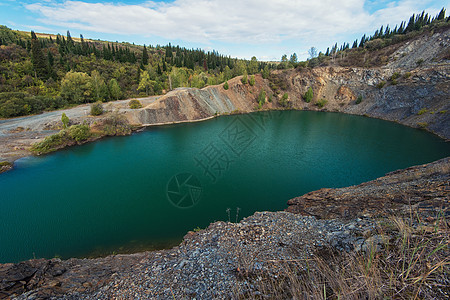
(145, 191)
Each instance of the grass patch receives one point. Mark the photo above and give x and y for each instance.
(75, 134)
(381, 84)
(422, 124)
(414, 263)
(321, 103)
(422, 111)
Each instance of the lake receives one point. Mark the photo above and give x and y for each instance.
(147, 190)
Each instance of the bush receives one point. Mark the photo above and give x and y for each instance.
(244, 79)
(97, 109)
(422, 111)
(79, 133)
(134, 104)
(407, 75)
(252, 80)
(419, 62)
(308, 95)
(381, 84)
(65, 120)
(284, 100)
(225, 85)
(422, 124)
(359, 99)
(395, 76)
(321, 103)
(262, 98)
(75, 133)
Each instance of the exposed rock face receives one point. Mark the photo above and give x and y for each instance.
(209, 262)
(402, 91)
(425, 188)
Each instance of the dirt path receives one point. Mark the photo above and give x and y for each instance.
(18, 134)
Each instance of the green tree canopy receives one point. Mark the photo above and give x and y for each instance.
(76, 87)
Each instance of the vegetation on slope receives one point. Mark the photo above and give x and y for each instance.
(44, 72)
(370, 50)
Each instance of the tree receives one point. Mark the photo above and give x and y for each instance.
(145, 82)
(99, 89)
(265, 73)
(284, 61)
(293, 60)
(252, 80)
(76, 87)
(261, 98)
(312, 52)
(225, 85)
(308, 95)
(244, 79)
(65, 120)
(37, 57)
(441, 15)
(97, 109)
(253, 66)
(114, 89)
(144, 56)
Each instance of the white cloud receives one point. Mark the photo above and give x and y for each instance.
(250, 22)
(236, 21)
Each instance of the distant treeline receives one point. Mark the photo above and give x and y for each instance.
(381, 38)
(41, 72)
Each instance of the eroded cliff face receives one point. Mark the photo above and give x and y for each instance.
(411, 89)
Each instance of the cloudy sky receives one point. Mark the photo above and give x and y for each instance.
(240, 28)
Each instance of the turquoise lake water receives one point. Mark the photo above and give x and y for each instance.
(145, 191)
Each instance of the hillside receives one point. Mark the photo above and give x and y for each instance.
(402, 91)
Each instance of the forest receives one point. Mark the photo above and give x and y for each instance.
(43, 72)
(40, 72)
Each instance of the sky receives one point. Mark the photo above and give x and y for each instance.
(238, 28)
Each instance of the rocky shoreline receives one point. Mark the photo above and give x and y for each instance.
(223, 260)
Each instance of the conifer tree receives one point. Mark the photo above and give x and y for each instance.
(37, 57)
(144, 56)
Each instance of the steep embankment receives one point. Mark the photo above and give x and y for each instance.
(411, 89)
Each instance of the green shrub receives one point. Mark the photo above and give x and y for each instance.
(359, 99)
(79, 133)
(381, 84)
(225, 85)
(422, 124)
(4, 164)
(443, 111)
(422, 111)
(308, 95)
(284, 100)
(407, 75)
(252, 80)
(395, 76)
(75, 133)
(419, 62)
(244, 79)
(262, 98)
(135, 104)
(65, 120)
(97, 109)
(321, 103)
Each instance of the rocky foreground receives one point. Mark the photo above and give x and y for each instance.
(230, 260)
